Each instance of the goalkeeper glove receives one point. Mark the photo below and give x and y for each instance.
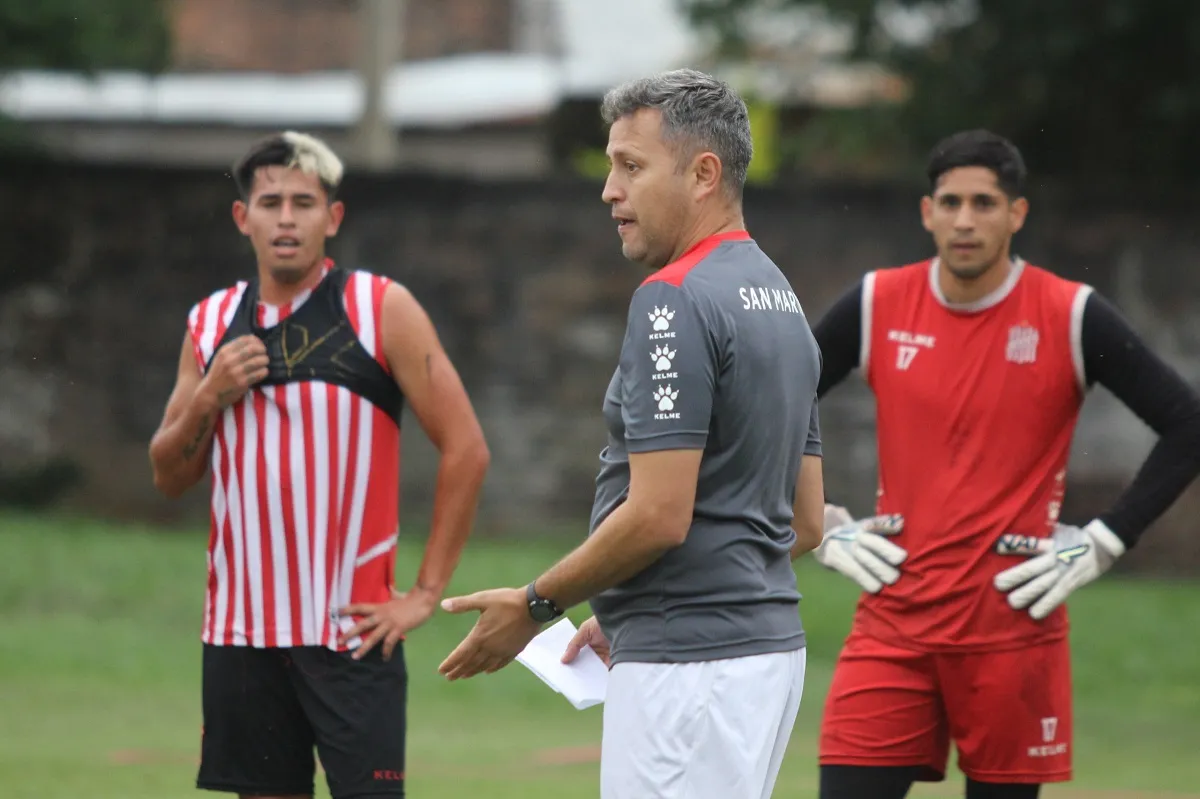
(860, 550)
(1069, 559)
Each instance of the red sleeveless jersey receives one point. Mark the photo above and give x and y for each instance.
(305, 486)
(976, 407)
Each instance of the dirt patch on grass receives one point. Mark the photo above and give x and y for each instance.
(1111, 793)
(582, 755)
(568, 755)
(579, 755)
(951, 788)
(151, 757)
(160, 757)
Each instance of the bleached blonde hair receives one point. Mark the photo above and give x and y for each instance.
(294, 150)
(313, 156)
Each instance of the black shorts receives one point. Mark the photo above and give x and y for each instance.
(266, 709)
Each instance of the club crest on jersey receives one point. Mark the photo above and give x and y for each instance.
(1022, 344)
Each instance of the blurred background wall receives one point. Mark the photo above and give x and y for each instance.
(472, 133)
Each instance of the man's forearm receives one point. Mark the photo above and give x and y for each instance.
(1168, 470)
(456, 500)
(178, 453)
(625, 544)
(808, 507)
(1116, 357)
(802, 547)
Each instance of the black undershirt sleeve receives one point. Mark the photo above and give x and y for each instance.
(1116, 357)
(839, 335)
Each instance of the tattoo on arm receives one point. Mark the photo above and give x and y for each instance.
(428, 366)
(192, 447)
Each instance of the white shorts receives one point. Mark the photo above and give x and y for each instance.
(715, 729)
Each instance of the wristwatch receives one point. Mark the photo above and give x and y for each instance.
(540, 609)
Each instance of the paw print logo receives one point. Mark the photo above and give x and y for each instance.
(665, 397)
(662, 358)
(661, 317)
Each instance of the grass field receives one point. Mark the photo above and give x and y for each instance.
(99, 679)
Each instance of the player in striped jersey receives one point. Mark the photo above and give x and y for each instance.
(291, 388)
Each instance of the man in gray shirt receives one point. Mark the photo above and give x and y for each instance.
(718, 359)
(710, 483)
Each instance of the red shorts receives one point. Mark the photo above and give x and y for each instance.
(1008, 713)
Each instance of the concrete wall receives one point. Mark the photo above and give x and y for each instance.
(527, 287)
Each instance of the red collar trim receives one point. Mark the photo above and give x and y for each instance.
(713, 241)
(677, 270)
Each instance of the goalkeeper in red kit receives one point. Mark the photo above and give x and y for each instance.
(979, 363)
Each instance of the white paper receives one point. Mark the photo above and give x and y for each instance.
(583, 681)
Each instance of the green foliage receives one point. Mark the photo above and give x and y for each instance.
(853, 143)
(1087, 88)
(84, 35)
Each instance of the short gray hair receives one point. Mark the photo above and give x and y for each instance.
(696, 108)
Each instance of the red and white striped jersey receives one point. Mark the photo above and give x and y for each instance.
(305, 491)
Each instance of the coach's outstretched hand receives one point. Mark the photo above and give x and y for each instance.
(588, 634)
(1070, 559)
(503, 630)
(859, 549)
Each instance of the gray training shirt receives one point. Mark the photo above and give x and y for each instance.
(718, 356)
